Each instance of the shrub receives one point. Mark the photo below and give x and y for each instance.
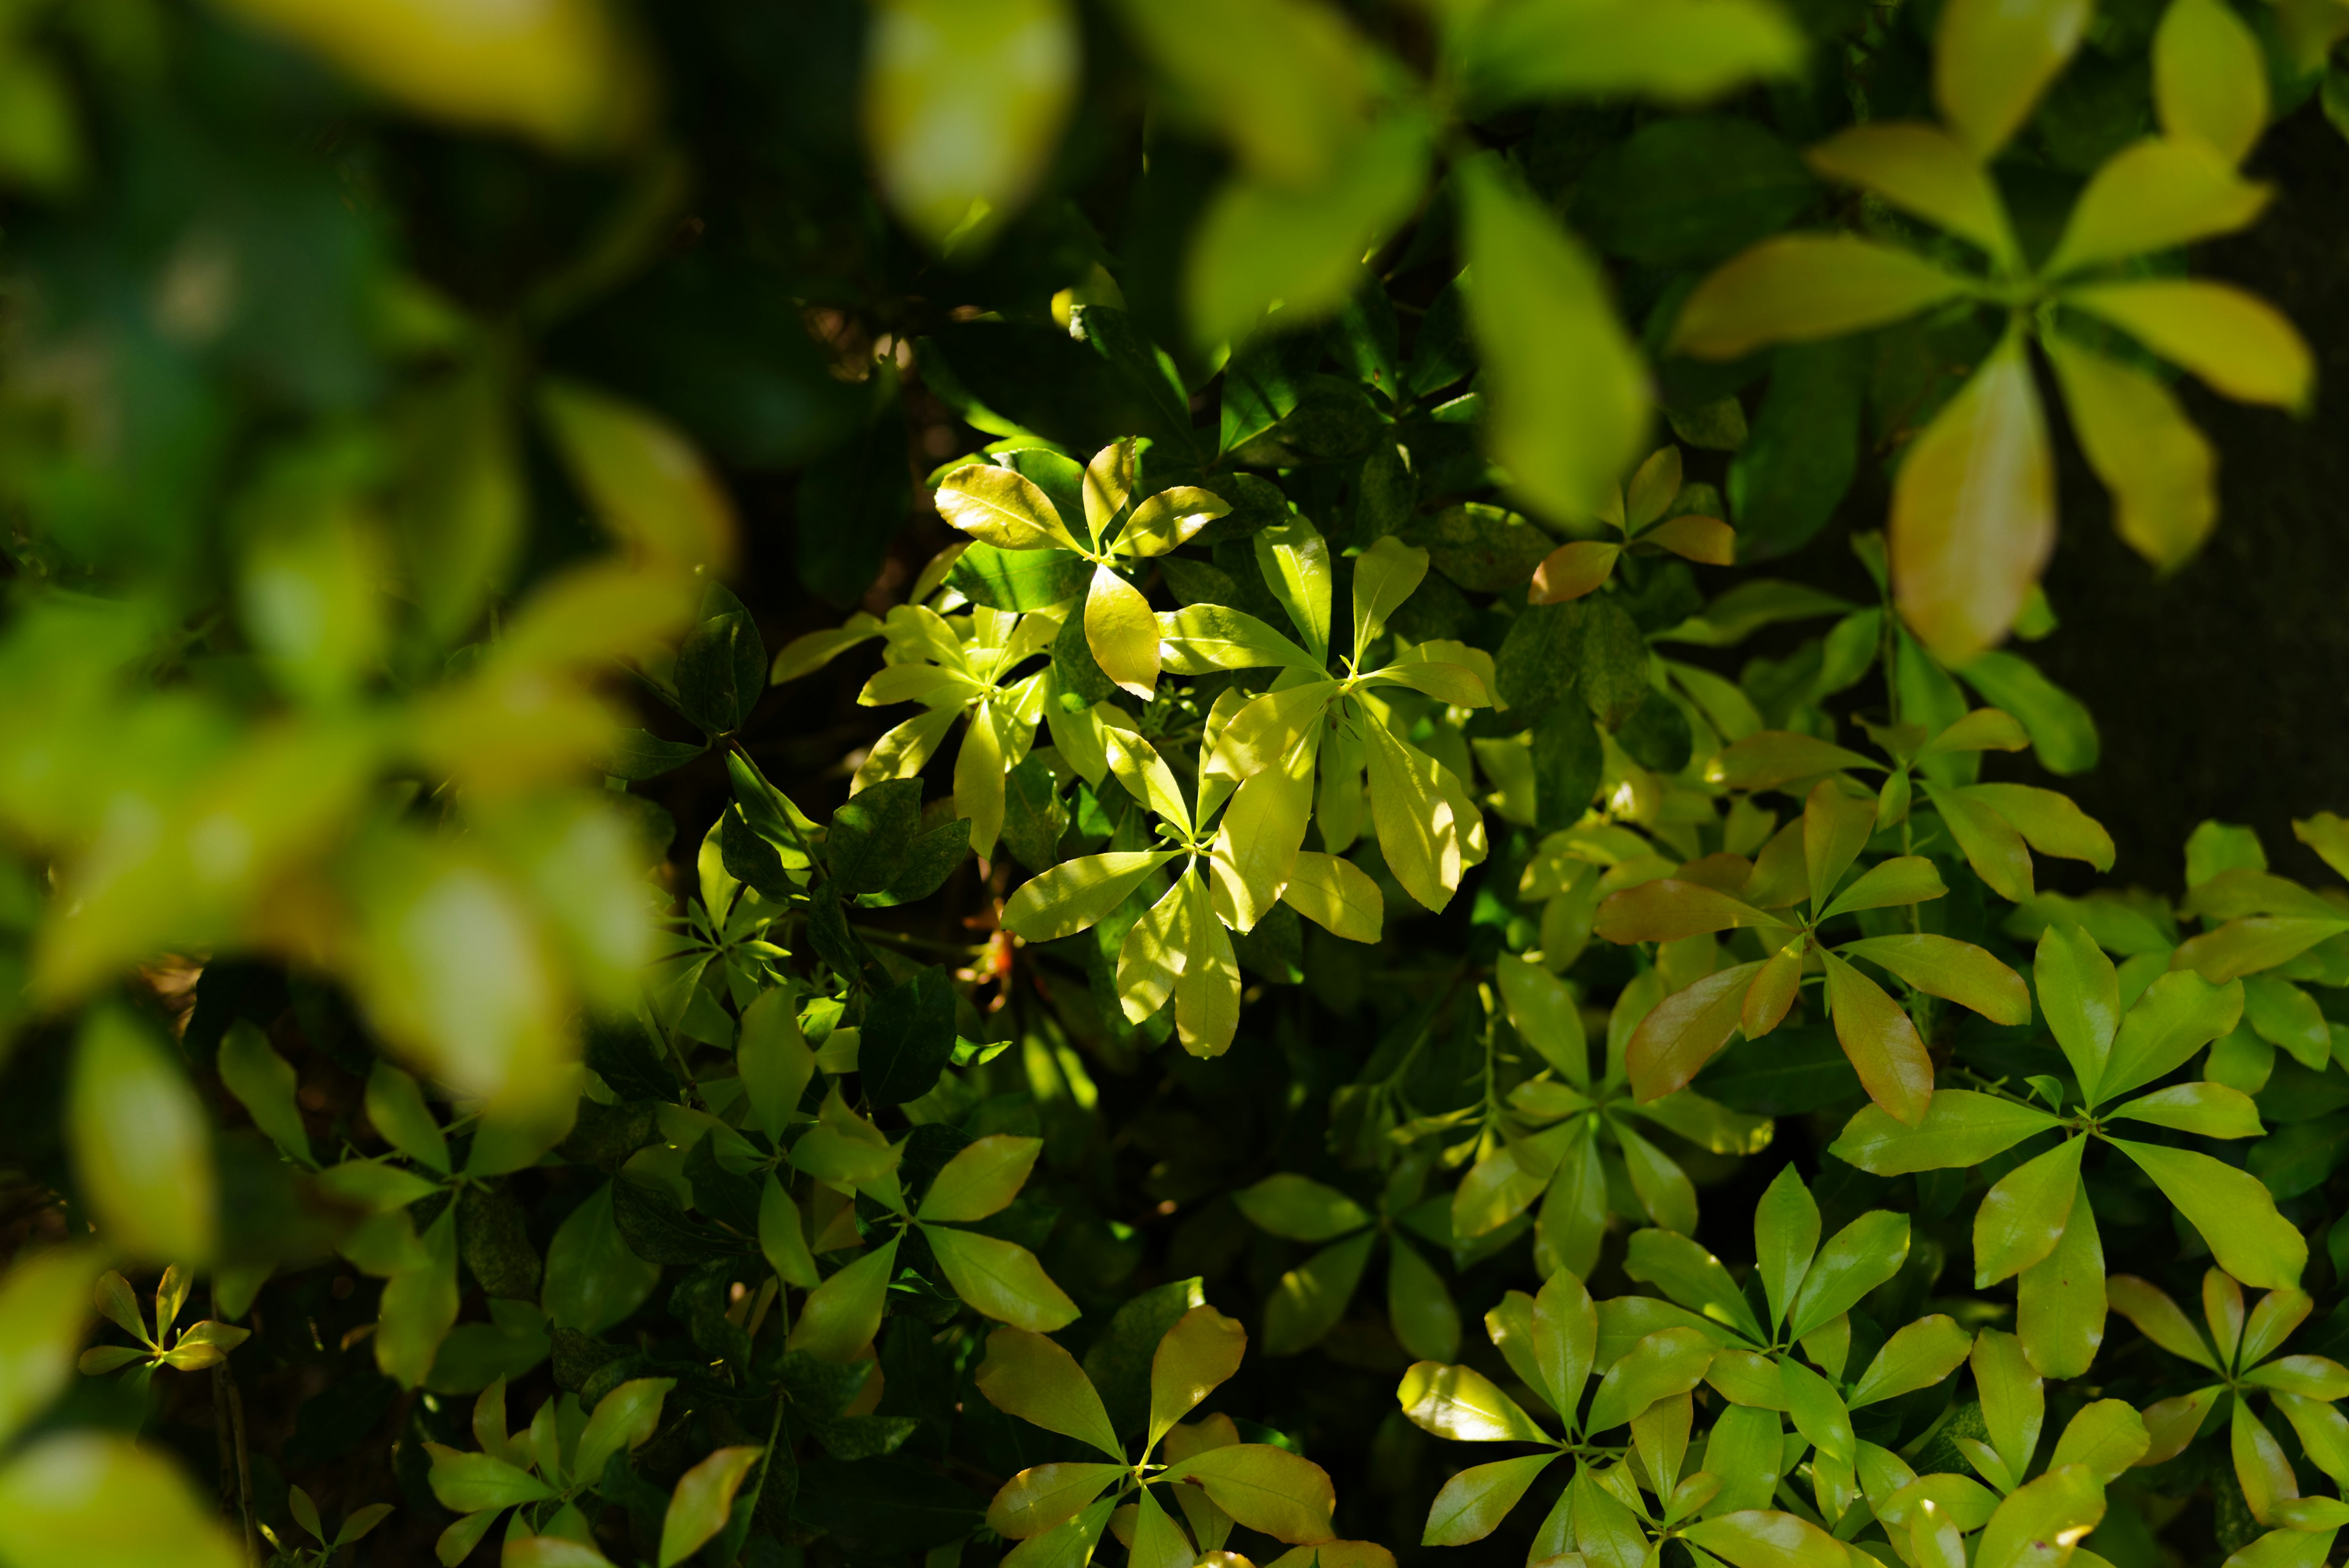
(764, 767)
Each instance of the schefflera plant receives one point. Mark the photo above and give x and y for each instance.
(1322, 743)
(1553, 1343)
(1180, 950)
(1005, 509)
(2122, 1030)
(1582, 567)
(2241, 1354)
(1057, 1511)
(1809, 859)
(1554, 1136)
(1799, 1299)
(1973, 503)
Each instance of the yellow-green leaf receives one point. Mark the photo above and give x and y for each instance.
(982, 1179)
(1881, 1042)
(841, 1315)
(1336, 895)
(562, 71)
(1567, 392)
(1001, 1278)
(1800, 288)
(44, 1312)
(1043, 1496)
(1196, 1356)
(1075, 894)
(2160, 469)
(2231, 1209)
(1992, 59)
(2210, 77)
(697, 1509)
(1267, 1489)
(1973, 509)
(2153, 195)
(141, 1141)
(964, 101)
(1003, 508)
(96, 1501)
(2237, 342)
(1474, 1502)
(1032, 1378)
(649, 486)
(1923, 170)
(2022, 1216)
(1464, 1406)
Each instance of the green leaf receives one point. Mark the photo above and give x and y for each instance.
(1817, 1410)
(1745, 1448)
(1205, 638)
(1077, 893)
(2079, 991)
(1668, 909)
(2179, 1014)
(1543, 1012)
(1961, 1127)
(592, 1282)
(1310, 1298)
(44, 1311)
(981, 1180)
(1668, 1362)
(1565, 384)
(2213, 1110)
(1944, 967)
(1001, 1278)
(2109, 1437)
(841, 1315)
(263, 1082)
(1856, 1259)
(1043, 1497)
(1119, 1360)
(1196, 1356)
(419, 1306)
(2150, 196)
(1018, 579)
(644, 482)
(697, 1509)
(1991, 63)
(2060, 1300)
(2284, 1014)
(1800, 288)
(1464, 1406)
(773, 1059)
(2022, 1217)
(1686, 1030)
(1754, 1539)
(1002, 508)
(2062, 732)
(396, 1105)
(464, 1482)
(1881, 1042)
(1031, 1376)
(1691, 1276)
(1300, 1209)
(2232, 1211)
(1123, 632)
(1264, 1487)
(907, 1039)
(1295, 561)
(1420, 1310)
(1917, 1357)
(864, 849)
(2039, 1522)
(95, 1498)
(1417, 831)
(1473, 1503)
(1923, 170)
(1680, 51)
(623, 1420)
(140, 1142)
(2013, 1403)
(1261, 243)
(782, 1240)
(1786, 1239)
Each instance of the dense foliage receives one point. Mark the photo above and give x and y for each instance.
(987, 780)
